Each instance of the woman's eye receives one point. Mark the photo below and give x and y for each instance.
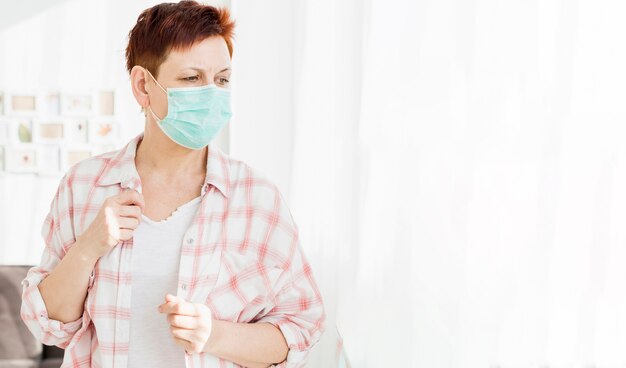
(223, 81)
(191, 79)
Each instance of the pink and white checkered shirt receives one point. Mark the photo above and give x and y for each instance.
(241, 256)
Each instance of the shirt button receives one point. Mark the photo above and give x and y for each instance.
(184, 286)
(189, 240)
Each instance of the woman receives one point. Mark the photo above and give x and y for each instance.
(169, 253)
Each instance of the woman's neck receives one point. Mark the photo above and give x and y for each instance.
(158, 154)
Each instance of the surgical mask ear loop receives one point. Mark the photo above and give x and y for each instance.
(164, 90)
(156, 118)
(155, 81)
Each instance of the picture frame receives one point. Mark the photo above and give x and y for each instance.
(77, 130)
(103, 131)
(71, 155)
(76, 104)
(20, 104)
(21, 159)
(50, 104)
(21, 130)
(49, 131)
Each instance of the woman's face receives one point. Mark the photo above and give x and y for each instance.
(205, 62)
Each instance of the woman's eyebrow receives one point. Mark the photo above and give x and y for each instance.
(200, 70)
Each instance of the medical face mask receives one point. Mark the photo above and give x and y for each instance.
(194, 114)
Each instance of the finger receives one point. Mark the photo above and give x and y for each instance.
(169, 307)
(166, 307)
(181, 321)
(130, 211)
(183, 334)
(112, 222)
(184, 308)
(130, 196)
(128, 223)
(170, 298)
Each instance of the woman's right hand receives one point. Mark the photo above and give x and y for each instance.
(118, 217)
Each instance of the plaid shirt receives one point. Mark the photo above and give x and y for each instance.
(241, 257)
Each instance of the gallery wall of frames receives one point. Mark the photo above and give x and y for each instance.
(46, 132)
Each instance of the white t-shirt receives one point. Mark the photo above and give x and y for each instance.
(155, 259)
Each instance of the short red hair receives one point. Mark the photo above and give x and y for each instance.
(169, 26)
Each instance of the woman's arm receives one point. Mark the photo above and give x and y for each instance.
(64, 290)
(292, 321)
(247, 344)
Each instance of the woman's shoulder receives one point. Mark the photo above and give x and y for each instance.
(241, 171)
(85, 172)
(246, 179)
(254, 187)
(91, 166)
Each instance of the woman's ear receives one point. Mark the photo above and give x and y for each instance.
(138, 77)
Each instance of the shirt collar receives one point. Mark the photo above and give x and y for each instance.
(121, 169)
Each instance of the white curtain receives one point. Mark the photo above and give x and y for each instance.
(459, 175)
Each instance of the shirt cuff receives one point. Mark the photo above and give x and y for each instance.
(37, 308)
(295, 358)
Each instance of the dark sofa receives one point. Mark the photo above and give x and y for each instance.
(18, 347)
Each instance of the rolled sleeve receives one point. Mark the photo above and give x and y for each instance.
(298, 311)
(299, 348)
(295, 304)
(34, 313)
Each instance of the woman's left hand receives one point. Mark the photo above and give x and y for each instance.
(190, 323)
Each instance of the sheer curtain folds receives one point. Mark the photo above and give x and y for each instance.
(458, 174)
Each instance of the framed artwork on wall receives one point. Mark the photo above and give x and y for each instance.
(21, 130)
(76, 130)
(50, 105)
(21, 159)
(21, 104)
(76, 104)
(72, 155)
(103, 131)
(48, 131)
